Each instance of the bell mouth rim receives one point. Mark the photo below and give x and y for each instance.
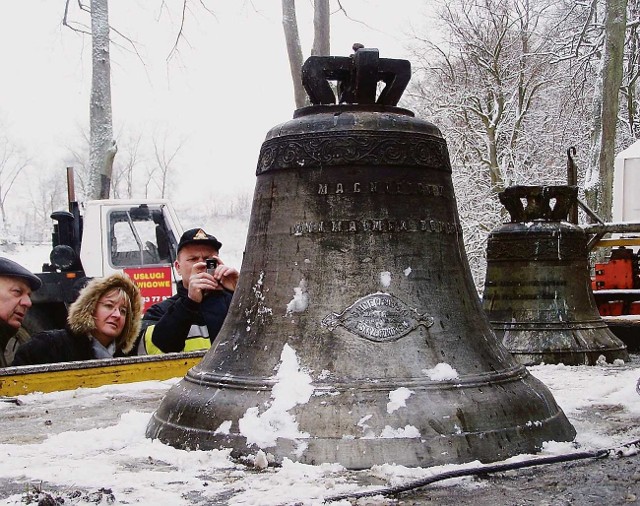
(340, 108)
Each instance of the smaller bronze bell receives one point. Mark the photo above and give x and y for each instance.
(537, 289)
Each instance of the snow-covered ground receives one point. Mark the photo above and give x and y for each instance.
(88, 446)
(31, 256)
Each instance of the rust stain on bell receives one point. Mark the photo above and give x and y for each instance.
(537, 289)
(356, 334)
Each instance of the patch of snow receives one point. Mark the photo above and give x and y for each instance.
(441, 372)
(408, 431)
(300, 300)
(292, 387)
(260, 461)
(397, 399)
(224, 427)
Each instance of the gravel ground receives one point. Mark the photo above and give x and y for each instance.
(606, 481)
(597, 482)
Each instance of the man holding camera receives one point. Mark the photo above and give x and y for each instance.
(191, 319)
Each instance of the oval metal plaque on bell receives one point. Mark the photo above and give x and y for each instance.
(537, 290)
(356, 334)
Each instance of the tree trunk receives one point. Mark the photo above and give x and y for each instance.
(631, 79)
(3, 215)
(599, 190)
(321, 28)
(294, 50)
(102, 145)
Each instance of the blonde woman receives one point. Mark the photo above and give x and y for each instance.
(103, 322)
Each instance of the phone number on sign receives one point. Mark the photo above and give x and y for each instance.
(154, 298)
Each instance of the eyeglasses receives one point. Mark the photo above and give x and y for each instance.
(112, 307)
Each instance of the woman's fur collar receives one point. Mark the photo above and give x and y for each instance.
(80, 317)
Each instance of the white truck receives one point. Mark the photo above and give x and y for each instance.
(138, 237)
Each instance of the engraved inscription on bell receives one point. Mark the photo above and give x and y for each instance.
(378, 317)
(373, 225)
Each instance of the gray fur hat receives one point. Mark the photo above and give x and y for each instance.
(80, 317)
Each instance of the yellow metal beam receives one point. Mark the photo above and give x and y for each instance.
(608, 243)
(94, 373)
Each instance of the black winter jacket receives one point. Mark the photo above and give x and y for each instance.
(74, 341)
(178, 319)
(53, 346)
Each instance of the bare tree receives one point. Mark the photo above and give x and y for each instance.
(601, 50)
(77, 156)
(599, 190)
(321, 28)
(166, 159)
(12, 163)
(185, 7)
(47, 193)
(123, 179)
(516, 83)
(103, 146)
(294, 50)
(500, 104)
(630, 107)
(487, 83)
(321, 41)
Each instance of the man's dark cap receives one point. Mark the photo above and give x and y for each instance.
(198, 236)
(11, 269)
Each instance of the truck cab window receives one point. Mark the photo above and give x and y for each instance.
(137, 239)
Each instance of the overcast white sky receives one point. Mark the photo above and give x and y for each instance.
(228, 86)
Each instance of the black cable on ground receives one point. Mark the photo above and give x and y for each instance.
(12, 400)
(486, 469)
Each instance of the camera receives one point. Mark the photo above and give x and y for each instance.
(212, 263)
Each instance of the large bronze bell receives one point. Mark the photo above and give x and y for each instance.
(356, 334)
(537, 290)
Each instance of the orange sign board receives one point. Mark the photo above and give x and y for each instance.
(154, 283)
